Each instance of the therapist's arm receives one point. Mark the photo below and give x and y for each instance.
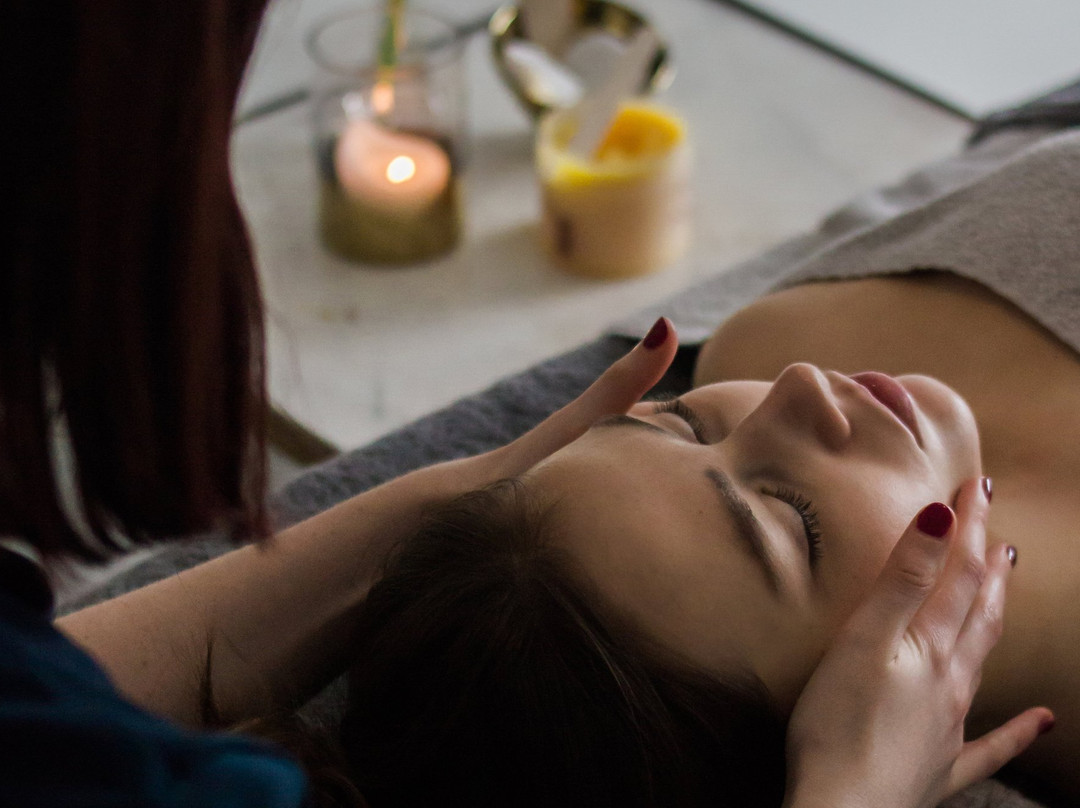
(881, 722)
(262, 628)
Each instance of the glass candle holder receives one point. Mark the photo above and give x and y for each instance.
(626, 210)
(389, 140)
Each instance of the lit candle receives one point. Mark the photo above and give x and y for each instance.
(626, 210)
(390, 170)
(388, 197)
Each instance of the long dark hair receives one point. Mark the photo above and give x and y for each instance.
(493, 675)
(130, 320)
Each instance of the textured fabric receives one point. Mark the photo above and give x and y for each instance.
(990, 794)
(1016, 231)
(68, 740)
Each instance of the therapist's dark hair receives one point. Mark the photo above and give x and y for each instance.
(130, 328)
(493, 675)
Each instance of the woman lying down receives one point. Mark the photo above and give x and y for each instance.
(633, 620)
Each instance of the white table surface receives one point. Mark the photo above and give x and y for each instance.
(978, 55)
(782, 134)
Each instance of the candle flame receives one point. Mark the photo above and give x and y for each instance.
(382, 98)
(400, 169)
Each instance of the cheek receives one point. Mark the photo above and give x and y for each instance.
(862, 547)
(951, 434)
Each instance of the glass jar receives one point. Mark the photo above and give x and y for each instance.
(389, 139)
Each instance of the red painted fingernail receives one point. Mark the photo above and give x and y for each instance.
(935, 520)
(1047, 724)
(657, 335)
(988, 488)
(1011, 552)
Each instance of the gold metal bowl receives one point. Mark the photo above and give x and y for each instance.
(589, 17)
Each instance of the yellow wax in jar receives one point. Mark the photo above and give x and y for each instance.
(625, 211)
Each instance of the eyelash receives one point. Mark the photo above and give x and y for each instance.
(808, 513)
(676, 407)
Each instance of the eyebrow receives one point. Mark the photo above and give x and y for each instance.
(747, 526)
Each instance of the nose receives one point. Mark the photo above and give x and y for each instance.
(802, 398)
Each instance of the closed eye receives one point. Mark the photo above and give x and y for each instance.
(677, 408)
(809, 516)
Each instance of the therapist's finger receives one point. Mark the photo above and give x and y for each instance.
(940, 621)
(616, 390)
(985, 619)
(982, 757)
(909, 576)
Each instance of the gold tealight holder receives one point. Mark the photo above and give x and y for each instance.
(389, 140)
(545, 76)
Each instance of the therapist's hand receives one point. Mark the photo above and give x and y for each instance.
(617, 389)
(393, 511)
(881, 722)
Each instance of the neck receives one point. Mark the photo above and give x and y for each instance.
(1037, 660)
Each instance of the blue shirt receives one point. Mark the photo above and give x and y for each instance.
(68, 740)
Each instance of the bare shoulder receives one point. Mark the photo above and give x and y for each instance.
(912, 323)
(827, 323)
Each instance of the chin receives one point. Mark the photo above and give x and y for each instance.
(948, 425)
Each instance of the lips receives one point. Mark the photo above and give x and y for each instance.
(892, 395)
